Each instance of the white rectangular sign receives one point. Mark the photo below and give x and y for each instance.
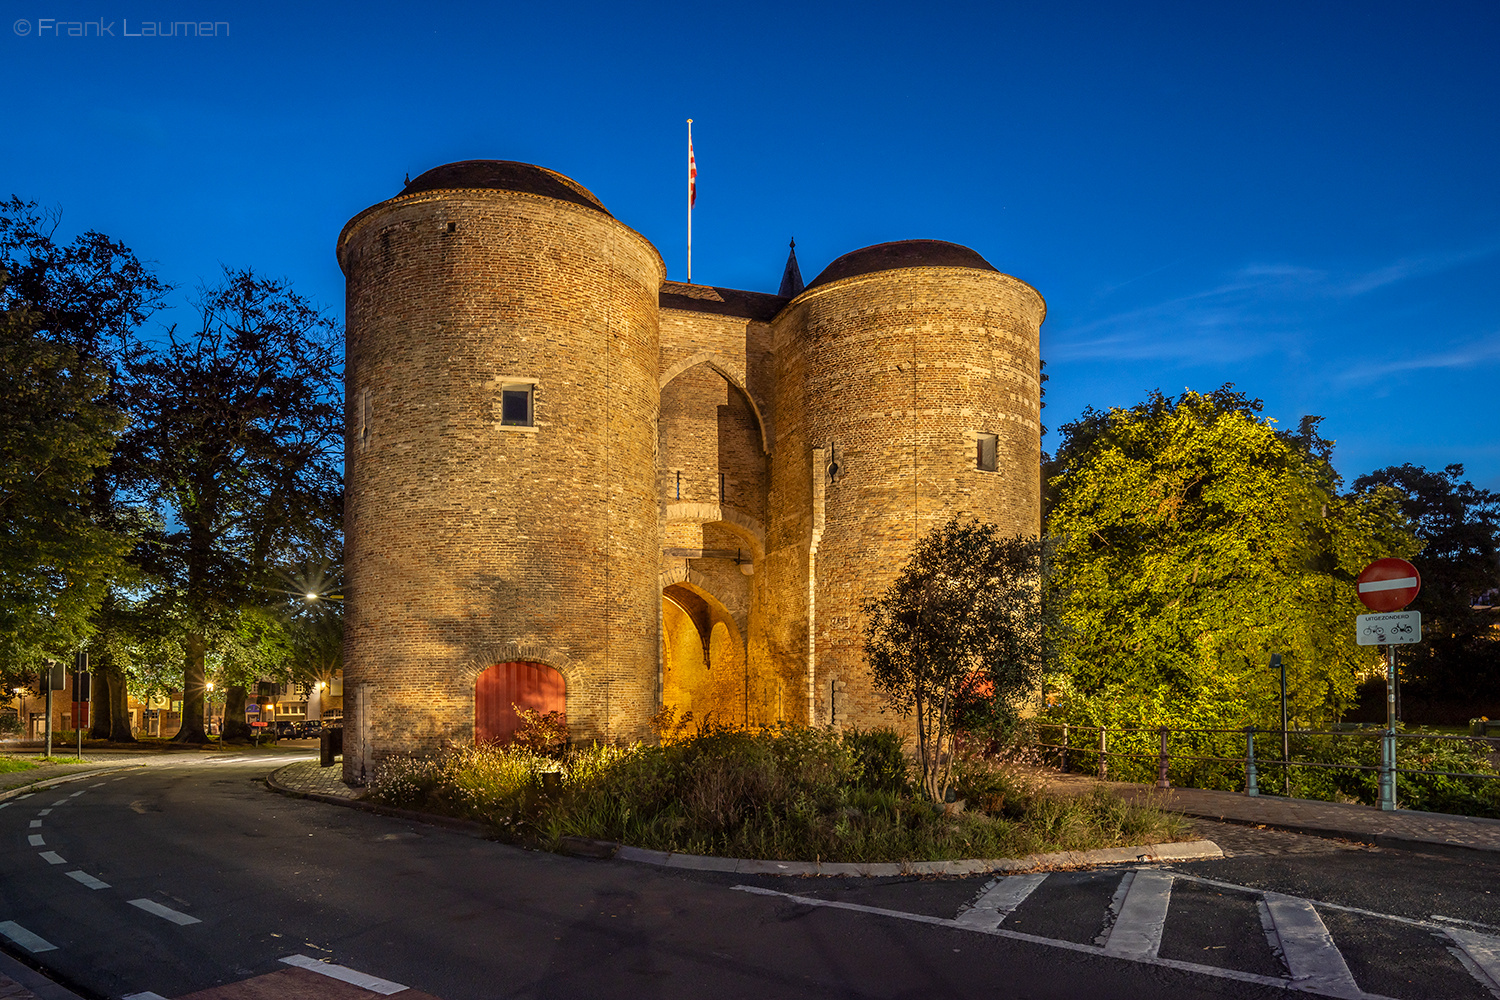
(1393, 629)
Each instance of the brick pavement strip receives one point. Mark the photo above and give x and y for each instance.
(1349, 821)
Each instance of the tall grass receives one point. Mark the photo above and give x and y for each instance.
(792, 793)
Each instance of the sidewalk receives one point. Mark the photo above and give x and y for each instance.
(1401, 829)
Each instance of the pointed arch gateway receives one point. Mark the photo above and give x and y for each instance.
(503, 687)
(703, 657)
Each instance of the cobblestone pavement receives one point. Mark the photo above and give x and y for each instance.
(1348, 821)
(1241, 841)
(308, 778)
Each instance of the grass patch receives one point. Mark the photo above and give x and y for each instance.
(791, 793)
(9, 765)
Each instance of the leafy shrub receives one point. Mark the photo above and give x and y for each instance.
(790, 792)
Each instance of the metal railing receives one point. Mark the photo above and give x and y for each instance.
(1096, 743)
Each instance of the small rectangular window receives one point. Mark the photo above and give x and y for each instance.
(515, 405)
(988, 445)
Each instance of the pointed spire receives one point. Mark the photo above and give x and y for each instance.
(791, 278)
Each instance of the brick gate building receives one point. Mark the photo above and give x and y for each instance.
(574, 484)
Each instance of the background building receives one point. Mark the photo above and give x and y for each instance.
(576, 486)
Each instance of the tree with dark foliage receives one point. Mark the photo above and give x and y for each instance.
(1459, 525)
(239, 427)
(965, 617)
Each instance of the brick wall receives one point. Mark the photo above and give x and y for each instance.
(468, 543)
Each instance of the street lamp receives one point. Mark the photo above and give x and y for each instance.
(210, 706)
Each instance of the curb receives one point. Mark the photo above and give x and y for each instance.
(42, 784)
(468, 826)
(1191, 850)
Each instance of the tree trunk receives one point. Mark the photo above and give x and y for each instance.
(117, 707)
(235, 728)
(194, 687)
(99, 714)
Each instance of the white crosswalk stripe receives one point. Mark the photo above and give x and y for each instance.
(1480, 954)
(1308, 948)
(1292, 935)
(1137, 930)
(997, 901)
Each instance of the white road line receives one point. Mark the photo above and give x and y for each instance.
(43, 812)
(35, 840)
(60, 802)
(148, 995)
(99, 785)
(26, 796)
(24, 938)
(1483, 954)
(1308, 948)
(35, 823)
(4, 805)
(83, 877)
(1216, 972)
(1136, 932)
(997, 901)
(53, 858)
(165, 912)
(77, 793)
(372, 983)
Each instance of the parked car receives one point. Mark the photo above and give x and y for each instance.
(285, 729)
(309, 730)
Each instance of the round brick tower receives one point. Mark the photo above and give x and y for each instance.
(920, 369)
(501, 526)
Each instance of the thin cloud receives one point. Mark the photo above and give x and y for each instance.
(1474, 355)
(1257, 310)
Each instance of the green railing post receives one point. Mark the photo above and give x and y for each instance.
(1103, 753)
(1062, 753)
(1251, 788)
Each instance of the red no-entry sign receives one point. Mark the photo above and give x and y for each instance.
(1388, 584)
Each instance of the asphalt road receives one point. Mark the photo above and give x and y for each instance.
(188, 875)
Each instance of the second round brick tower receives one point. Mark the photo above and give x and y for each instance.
(913, 369)
(502, 404)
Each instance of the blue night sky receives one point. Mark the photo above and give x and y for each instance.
(1302, 199)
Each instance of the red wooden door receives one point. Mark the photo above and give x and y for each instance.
(533, 686)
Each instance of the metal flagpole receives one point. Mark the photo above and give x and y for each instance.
(691, 171)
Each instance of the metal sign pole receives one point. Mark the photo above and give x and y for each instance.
(1388, 742)
(47, 683)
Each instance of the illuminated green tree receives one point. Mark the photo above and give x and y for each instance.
(1194, 540)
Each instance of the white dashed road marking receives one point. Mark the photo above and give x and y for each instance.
(77, 793)
(35, 840)
(83, 877)
(60, 802)
(53, 858)
(165, 912)
(24, 938)
(35, 823)
(372, 983)
(148, 995)
(26, 796)
(1308, 947)
(997, 902)
(43, 812)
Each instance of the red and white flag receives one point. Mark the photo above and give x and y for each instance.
(692, 173)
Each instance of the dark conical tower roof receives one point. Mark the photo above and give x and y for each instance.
(791, 278)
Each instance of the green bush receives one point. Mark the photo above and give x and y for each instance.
(788, 793)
